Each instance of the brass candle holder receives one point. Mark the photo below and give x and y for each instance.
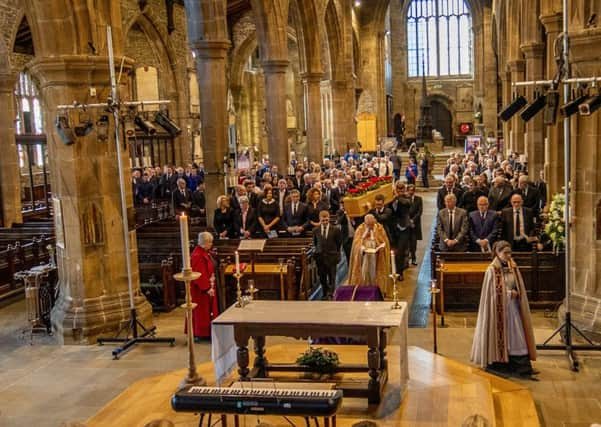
(251, 290)
(239, 299)
(395, 292)
(192, 378)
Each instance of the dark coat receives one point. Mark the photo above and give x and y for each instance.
(401, 220)
(487, 229)
(507, 221)
(442, 193)
(415, 214)
(328, 247)
(385, 218)
(499, 200)
(223, 221)
(252, 223)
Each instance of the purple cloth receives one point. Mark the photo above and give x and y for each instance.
(364, 293)
(345, 293)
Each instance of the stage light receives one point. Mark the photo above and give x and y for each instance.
(571, 107)
(64, 130)
(517, 104)
(145, 125)
(102, 128)
(534, 108)
(170, 126)
(589, 106)
(551, 107)
(129, 127)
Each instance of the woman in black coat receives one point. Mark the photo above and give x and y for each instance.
(224, 220)
(268, 213)
(315, 204)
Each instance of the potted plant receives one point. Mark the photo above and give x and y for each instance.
(318, 360)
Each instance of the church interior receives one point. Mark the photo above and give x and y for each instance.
(158, 156)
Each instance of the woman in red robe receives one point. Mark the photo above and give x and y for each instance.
(202, 291)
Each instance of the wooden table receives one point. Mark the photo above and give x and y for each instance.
(457, 268)
(316, 319)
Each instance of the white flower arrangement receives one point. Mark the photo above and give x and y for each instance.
(555, 228)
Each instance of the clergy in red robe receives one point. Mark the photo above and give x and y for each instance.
(203, 290)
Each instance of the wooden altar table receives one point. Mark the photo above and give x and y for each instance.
(317, 319)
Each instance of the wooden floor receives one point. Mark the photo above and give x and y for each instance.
(441, 392)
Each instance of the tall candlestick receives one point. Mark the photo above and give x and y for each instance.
(392, 262)
(183, 228)
(237, 262)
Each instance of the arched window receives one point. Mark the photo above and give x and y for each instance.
(439, 38)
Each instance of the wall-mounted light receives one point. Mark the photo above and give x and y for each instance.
(170, 126)
(592, 104)
(145, 125)
(571, 107)
(65, 132)
(515, 106)
(534, 108)
(357, 3)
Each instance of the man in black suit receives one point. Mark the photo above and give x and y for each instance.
(331, 195)
(327, 241)
(500, 194)
(518, 225)
(246, 219)
(181, 197)
(347, 228)
(529, 194)
(383, 215)
(449, 187)
(280, 194)
(541, 187)
(296, 215)
(452, 226)
(415, 226)
(483, 227)
(401, 222)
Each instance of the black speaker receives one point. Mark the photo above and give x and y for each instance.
(551, 107)
(571, 107)
(534, 108)
(519, 103)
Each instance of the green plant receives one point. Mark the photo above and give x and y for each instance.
(319, 360)
(556, 227)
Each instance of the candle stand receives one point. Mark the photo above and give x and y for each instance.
(239, 300)
(434, 290)
(192, 378)
(395, 292)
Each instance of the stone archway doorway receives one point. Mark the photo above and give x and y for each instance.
(442, 121)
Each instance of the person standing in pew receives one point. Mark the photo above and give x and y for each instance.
(452, 226)
(268, 214)
(199, 201)
(295, 218)
(483, 227)
(327, 241)
(224, 220)
(181, 197)
(415, 226)
(202, 290)
(247, 218)
(517, 225)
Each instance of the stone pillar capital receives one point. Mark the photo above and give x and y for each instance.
(275, 66)
(72, 70)
(517, 66)
(533, 50)
(311, 77)
(210, 49)
(552, 22)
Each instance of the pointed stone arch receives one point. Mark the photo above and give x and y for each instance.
(335, 41)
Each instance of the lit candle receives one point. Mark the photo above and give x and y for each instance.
(392, 262)
(183, 228)
(237, 263)
(433, 284)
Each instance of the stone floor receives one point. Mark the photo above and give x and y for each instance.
(45, 385)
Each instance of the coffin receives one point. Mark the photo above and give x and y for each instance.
(357, 206)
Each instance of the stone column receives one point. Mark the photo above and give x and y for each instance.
(585, 265)
(312, 89)
(507, 98)
(211, 68)
(277, 132)
(554, 157)
(517, 68)
(91, 256)
(534, 144)
(489, 78)
(343, 105)
(10, 184)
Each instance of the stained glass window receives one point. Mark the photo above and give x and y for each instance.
(439, 38)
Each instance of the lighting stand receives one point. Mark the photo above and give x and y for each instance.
(567, 325)
(434, 290)
(192, 378)
(395, 292)
(147, 335)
